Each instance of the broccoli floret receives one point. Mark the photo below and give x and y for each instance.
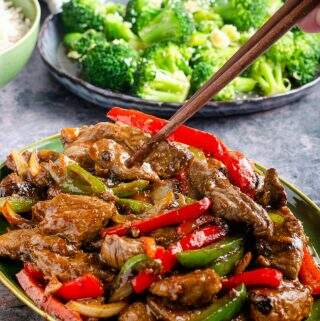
(304, 63)
(112, 7)
(111, 66)
(81, 15)
(163, 72)
(140, 12)
(207, 20)
(282, 50)
(269, 76)
(170, 57)
(244, 14)
(203, 71)
(173, 23)
(79, 44)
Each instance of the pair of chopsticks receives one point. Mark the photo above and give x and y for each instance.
(281, 22)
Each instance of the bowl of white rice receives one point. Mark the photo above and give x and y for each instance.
(19, 28)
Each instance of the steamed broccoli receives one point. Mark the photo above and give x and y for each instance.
(173, 23)
(117, 28)
(111, 65)
(282, 50)
(79, 44)
(162, 74)
(140, 12)
(113, 7)
(203, 71)
(304, 63)
(270, 78)
(244, 14)
(81, 15)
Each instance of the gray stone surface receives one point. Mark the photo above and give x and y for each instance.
(34, 106)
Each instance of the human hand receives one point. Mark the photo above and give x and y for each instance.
(311, 23)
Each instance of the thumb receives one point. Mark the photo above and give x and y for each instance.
(311, 23)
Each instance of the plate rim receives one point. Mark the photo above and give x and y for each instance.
(21, 295)
(106, 93)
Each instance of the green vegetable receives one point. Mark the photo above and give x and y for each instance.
(244, 14)
(113, 7)
(131, 188)
(80, 43)
(111, 66)
(303, 66)
(203, 257)
(315, 314)
(81, 15)
(19, 204)
(172, 23)
(117, 28)
(226, 308)
(135, 206)
(162, 74)
(226, 264)
(269, 76)
(276, 217)
(141, 12)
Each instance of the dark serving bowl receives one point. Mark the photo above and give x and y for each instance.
(303, 207)
(67, 73)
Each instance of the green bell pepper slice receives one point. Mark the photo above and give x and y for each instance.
(19, 204)
(131, 188)
(226, 308)
(226, 264)
(137, 207)
(203, 257)
(315, 314)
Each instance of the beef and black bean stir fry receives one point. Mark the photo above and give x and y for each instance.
(192, 234)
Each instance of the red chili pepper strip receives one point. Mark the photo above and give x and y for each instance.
(173, 217)
(201, 238)
(33, 271)
(241, 171)
(143, 281)
(260, 277)
(86, 286)
(310, 272)
(192, 225)
(167, 257)
(45, 302)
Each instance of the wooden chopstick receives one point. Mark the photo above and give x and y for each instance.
(281, 22)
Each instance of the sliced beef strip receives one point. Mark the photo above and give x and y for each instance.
(228, 201)
(291, 302)
(284, 250)
(14, 184)
(77, 141)
(110, 159)
(272, 194)
(137, 311)
(195, 288)
(167, 159)
(167, 312)
(116, 250)
(17, 244)
(165, 236)
(76, 218)
(66, 268)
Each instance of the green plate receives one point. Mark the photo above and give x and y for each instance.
(303, 207)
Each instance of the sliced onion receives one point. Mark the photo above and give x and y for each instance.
(20, 163)
(95, 310)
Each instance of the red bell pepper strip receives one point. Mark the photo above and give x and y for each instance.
(260, 277)
(143, 281)
(173, 217)
(45, 302)
(201, 238)
(240, 169)
(33, 271)
(192, 225)
(86, 286)
(310, 272)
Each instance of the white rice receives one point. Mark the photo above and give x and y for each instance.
(13, 24)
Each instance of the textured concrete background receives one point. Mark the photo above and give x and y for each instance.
(34, 106)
